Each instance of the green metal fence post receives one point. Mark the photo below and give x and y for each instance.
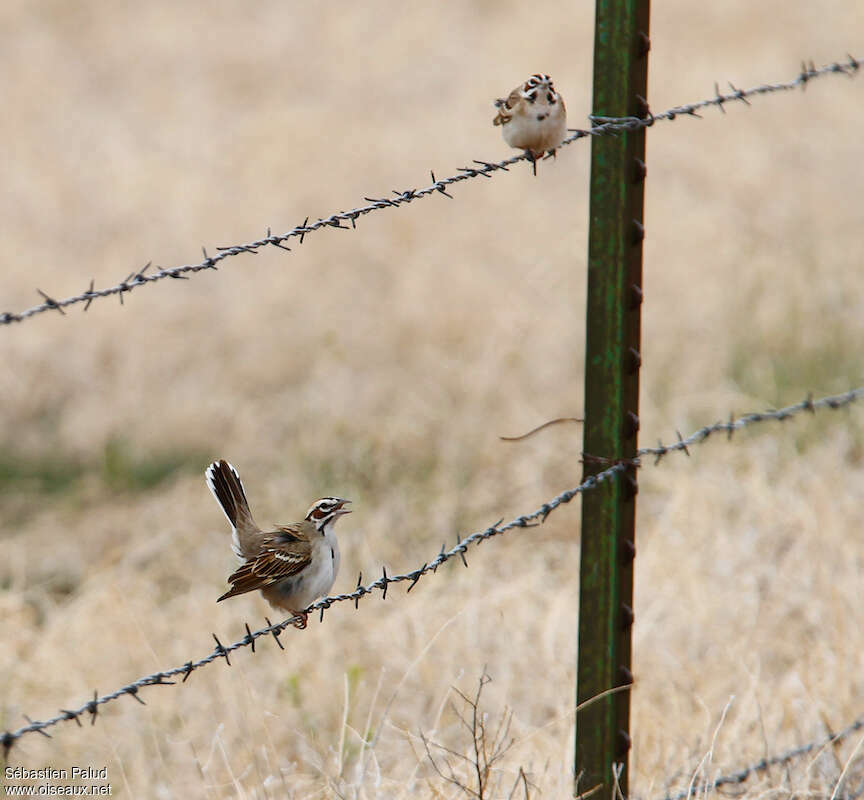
(612, 365)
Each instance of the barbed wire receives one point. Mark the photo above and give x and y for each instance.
(534, 519)
(91, 707)
(600, 126)
(733, 424)
(764, 764)
(729, 427)
(808, 72)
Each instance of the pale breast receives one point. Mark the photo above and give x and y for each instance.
(538, 127)
(298, 591)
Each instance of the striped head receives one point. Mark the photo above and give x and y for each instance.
(326, 511)
(539, 87)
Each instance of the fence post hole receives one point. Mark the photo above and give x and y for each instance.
(612, 365)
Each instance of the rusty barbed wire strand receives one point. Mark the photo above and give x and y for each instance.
(764, 764)
(729, 427)
(737, 423)
(600, 126)
(535, 518)
(8, 739)
(808, 72)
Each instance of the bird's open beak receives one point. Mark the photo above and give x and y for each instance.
(342, 510)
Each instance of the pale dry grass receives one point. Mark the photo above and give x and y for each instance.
(383, 364)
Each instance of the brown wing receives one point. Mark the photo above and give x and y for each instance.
(283, 553)
(506, 106)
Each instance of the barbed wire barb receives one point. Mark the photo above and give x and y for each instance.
(274, 632)
(250, 639)
(601, 126)
(537, 517)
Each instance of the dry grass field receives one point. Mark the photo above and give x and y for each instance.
(383, 364)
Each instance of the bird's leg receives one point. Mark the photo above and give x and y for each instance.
(530, 154)
(300, 624)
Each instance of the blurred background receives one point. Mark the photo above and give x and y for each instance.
(383, 364)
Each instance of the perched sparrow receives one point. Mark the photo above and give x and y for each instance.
(533, 117)
(292, 565)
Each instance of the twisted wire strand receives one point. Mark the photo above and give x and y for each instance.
(533, 519)
(808, 72)
(763, 765)
(734, 424)
(600, 126)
